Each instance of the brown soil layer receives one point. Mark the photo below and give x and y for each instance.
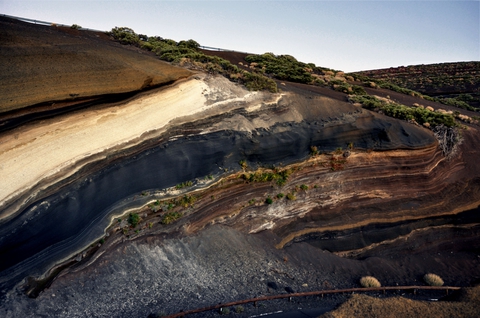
(48, 64)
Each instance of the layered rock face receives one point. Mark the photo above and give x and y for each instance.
(54, 67)
(375, 188)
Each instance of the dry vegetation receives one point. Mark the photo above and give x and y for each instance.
(433, 279)
(369, 281)
(365, 306)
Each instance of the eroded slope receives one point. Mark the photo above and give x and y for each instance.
(48, 64)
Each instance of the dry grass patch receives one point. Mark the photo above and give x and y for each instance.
(433, 280)
(369, 281)
(365, 306)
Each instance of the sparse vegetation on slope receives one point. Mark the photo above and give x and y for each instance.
(287, 68)
(414, 114)
(187, 53)
(279, 176)
(282, 67)
(453, 84)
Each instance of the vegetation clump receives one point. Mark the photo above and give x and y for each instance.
(282, 67)
(432, 81)
(133, 219)
(433, 280)
(155, 206)
(414, 114)
(184, 185)
(188, 53)
(291, 196)
(279, 176)
(369, 281)
(186, 200)
(170, 217)
(239, 309)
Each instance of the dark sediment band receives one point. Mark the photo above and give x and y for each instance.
(53, 228)
(360, 242)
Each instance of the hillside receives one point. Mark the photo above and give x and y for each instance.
(446, 80)
(226, 177)
(48, 69)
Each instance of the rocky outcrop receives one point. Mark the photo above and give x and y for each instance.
(191, 130)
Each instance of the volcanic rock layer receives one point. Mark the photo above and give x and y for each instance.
(72, 206)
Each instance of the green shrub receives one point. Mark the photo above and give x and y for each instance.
(184, 185)
(133, 219)
(420, 115)
(282, 67)
(369, 281)
(269, 200)
(257, 82)
(456, 102)
(291, 196)
(170, 217)
(239, 309)
(186, 200)
(358, 90)
(280, 195)
(191, 44)
(433, 280)
(125, 35)
(279, 176)
(304, 187)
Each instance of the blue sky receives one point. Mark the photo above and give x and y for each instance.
(344, 35)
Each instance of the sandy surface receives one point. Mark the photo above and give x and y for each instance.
(36, 152)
